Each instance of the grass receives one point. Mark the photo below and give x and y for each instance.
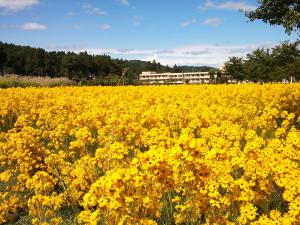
(11, 80)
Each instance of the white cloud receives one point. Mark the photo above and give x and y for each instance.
(213, 54)
(188, 23)
(9, 26)
(87, 6)
(25, 26)
(33, 26)
(137, 21)
(228, 5)
(76, 26)
(90, 9)
(70, 14)
(185, 24)
(212, 21)
(17, 5)
(105, 26)
(124, 2)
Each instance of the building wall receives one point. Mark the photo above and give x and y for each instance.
(174, 78)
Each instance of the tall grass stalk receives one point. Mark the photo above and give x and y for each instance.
(11, 80)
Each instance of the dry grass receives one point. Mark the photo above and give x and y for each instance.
(12, 80)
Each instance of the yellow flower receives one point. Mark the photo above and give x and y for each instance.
(211, 154)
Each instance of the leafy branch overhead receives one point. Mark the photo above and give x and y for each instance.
(278, 12)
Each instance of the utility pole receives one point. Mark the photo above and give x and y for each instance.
(122, 79)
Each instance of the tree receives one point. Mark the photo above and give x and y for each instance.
(80, 67)
(212, 73)
(2, 58)
(39, 62)
(234, 68)
(176, 69)
(285, 57)
(296, 66)
(259, 65)
(280, 63)
(278, 12)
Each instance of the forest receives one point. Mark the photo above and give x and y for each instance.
(280, 63)
(82, 67)
(277, 64)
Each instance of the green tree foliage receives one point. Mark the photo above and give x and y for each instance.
(286, 57)
(296, 67)
(2, 58)
(234, 68)
(176, 69)
(278, 12)
(82, 67)
(258, 66)
(276, 64)
(212, 73)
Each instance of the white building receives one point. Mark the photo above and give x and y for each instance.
(174, 78)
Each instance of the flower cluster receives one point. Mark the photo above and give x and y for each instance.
(208, 154)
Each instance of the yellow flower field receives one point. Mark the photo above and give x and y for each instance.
(208, 154)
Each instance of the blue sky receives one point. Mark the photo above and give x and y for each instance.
(184, 32)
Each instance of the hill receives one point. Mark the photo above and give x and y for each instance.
(80, 67)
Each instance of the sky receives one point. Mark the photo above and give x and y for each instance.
(182, 32)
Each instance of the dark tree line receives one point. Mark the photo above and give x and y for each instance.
(82, 67)
(24, 60)
(276, 64)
